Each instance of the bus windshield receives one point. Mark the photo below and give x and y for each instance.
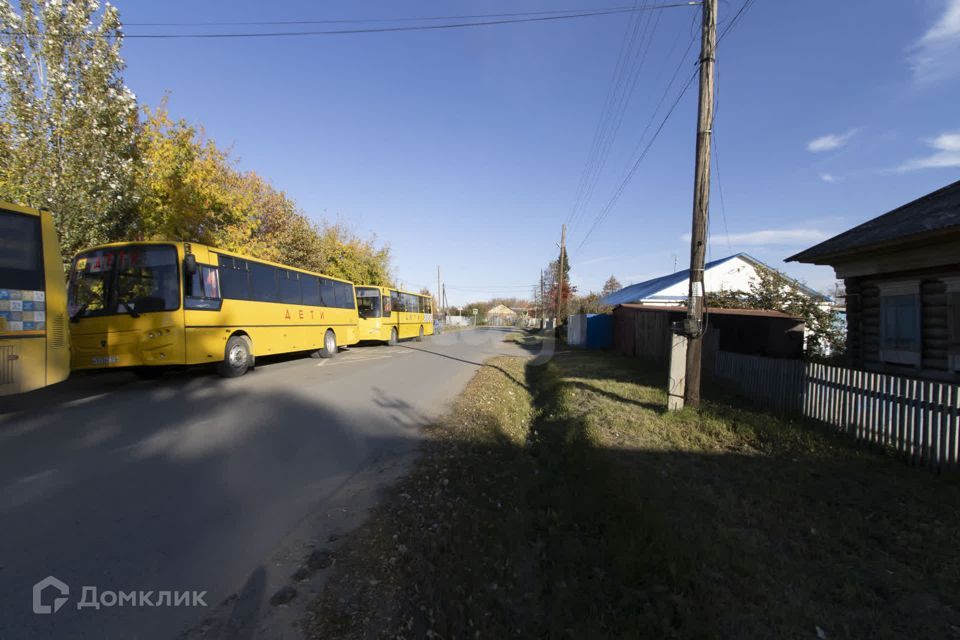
(132, 280)
(368, 302)
(21, 252)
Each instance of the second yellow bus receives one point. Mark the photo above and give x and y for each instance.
(390, 315)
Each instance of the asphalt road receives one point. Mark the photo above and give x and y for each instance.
(190, 482)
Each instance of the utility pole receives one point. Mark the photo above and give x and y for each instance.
(439, 300)
(563, 247)
(694, 326)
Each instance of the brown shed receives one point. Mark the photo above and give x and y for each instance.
(645, 332)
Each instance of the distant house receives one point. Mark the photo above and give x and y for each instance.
(733, 273)
(501, 316)
(902, 279)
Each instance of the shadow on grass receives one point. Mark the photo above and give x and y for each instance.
(722, 523)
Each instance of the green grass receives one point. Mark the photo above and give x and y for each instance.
(563, 501)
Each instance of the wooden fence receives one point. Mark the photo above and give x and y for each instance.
(918, 418)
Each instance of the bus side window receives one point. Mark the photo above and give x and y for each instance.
(211, 282)
(343, 294)
(263, 281)
(311, 290)
(387, 309)
(411, 303)
(396, 301)
(290, 287)
(327, 296)
(204, 289)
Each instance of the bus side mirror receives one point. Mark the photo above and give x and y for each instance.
(190, 264)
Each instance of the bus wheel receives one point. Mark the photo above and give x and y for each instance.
(393, 337)
(420, 337)
(329, 345)
(236, 358)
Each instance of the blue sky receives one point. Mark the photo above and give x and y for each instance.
(465, 147)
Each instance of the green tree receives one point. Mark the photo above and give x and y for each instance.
(67, 121)
(825, 336)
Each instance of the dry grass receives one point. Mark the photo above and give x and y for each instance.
(562, 501)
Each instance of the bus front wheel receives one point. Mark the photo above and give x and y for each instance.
(236, 358)
(329, 345)
(393, 336)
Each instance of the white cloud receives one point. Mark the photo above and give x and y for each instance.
(828, 178)
(767, 237)
(934, 57)
(830, 141)
(946, 154)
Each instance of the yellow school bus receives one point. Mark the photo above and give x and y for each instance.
(147, 305)
(34, 347)
(391, 315)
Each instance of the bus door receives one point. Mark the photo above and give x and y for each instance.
(371, 312)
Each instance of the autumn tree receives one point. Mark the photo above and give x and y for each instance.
(612, 285)
(72, 141)
(557, 284)
(186, 188)
(67, 121)
(190, 189)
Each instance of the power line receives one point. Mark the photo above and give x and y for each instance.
(389, 29)
(634, 79)
(605, 211)
(375, 20)
(652, 119)
(716, 161)
(489, 289)
(614, 106)
(735, 19)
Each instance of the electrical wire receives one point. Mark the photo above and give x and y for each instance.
(387, 29)
(613, 109)
(652, 119)
(605, 211)
(716, 162)
(476, 16)
(619, 116)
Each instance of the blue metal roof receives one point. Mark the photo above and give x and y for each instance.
(650, 289)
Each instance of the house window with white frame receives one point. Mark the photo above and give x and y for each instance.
(900, 329)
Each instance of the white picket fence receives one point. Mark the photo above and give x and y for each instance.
(918, 418)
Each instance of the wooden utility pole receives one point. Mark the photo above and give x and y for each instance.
(694, 326)
(439, 300)
(563, 248)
